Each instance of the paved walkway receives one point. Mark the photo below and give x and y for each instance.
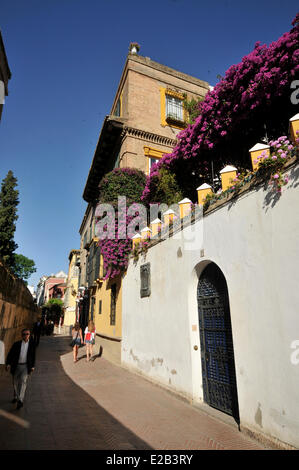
(99, 405)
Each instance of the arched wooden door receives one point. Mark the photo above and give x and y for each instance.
(217, 352)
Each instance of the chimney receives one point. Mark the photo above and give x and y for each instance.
(134, 48)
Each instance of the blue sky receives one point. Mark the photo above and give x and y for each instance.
(66, 58)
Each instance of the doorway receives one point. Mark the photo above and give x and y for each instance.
(216, 342)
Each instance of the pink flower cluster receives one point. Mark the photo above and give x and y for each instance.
(280, 149)
(256, 84)
(116, 251)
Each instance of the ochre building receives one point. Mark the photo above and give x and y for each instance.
(146, 115)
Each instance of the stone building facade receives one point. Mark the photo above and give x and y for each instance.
(145, 118)
(146, 115)
(17, 311)
(5, 74)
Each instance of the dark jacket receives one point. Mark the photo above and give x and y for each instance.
(14, 353)
(37, 328)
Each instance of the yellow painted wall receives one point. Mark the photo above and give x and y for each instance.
(102, 321)
(226, 179)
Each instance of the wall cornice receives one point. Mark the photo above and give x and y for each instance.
(148, 136)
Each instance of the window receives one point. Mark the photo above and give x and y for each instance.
(113, 304)
(145, 280)
(153, 155)
(102, 270)
(117, 108)
(93, 301)
(116, 164)
(152, 161)
(93, 264)
(100, 307)
(174, 108)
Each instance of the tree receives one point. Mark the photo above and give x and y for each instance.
(55, 308)
(168, 190)
(8, 216)
(128, 182)
(23, 266)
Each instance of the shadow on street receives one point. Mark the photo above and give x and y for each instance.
(58, 414)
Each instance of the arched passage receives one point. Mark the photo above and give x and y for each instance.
(216, 342)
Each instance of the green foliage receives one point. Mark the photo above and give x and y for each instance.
(126, 182)
(55, 307)
(193, 108)
(8, 217)
(168, 190)
(54, 302)
(23, 266)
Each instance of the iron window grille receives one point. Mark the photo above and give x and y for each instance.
(113, 305)
(145, 280)
(93, 300)
(174, 108)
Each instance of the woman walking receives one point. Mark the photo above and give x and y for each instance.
(77, 340)
(89, 339)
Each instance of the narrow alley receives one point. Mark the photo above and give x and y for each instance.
(99, 405)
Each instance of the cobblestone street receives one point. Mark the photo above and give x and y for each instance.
(99, 405)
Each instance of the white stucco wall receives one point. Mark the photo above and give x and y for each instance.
(254, 241)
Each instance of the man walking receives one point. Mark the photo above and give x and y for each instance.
(21, 361)
(37, 328)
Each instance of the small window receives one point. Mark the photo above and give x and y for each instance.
(113, 305)
(173, 112)
(116, 164)
(100, 307)
(174, 108)
(145, 280)
(152, 161)
(117, 108)
(93, 300)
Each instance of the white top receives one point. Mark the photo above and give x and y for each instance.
(93, 333)
(136, 236)
(295, 118)
(146, 229)
(228, 168)
(156, 221)
(169, 212)
(204, 186)
(23, 352)
(259, 147)
(184, 201)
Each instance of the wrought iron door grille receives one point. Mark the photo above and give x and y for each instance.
(217, 355)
